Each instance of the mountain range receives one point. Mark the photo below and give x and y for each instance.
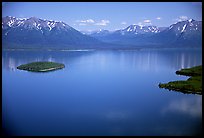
(181, 33)
(41, 33)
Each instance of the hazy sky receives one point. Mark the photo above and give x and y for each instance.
(85, 16)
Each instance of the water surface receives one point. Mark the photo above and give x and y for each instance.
(99, 93)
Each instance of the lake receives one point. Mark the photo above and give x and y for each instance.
(100, 92)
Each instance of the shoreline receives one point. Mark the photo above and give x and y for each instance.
(50, 69)
(92, 49)
(192, 85)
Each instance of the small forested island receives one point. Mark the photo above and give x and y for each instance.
(42, 66)
(192, 85)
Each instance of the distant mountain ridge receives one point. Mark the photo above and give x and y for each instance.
(42, 33)
(184, 32)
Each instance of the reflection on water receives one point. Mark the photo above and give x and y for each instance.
(144, 59)
(99, 93)
(11, 58)
(189, 106)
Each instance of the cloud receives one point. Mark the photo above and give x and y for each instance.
(85, 22)
(147, 21)
(158, 18)
(103, 22)
(90, 21)
(123, 23)
(182, 18)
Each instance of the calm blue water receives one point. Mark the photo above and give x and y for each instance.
(99, 93)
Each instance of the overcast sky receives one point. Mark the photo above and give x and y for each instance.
(87, 16)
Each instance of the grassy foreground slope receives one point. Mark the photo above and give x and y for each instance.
(191, 85)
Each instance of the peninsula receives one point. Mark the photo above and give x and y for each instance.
(191, 85)
(42, 66)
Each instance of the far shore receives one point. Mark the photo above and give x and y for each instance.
(91, 49)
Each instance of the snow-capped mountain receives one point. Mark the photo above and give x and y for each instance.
(138, 29)
(184, 32)
(186, 26)
(130, 30)
(33, 23)
(35, 31)
(127, 35)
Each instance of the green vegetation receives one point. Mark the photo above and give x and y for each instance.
(194, 71)
(191, 85)
(41, 66)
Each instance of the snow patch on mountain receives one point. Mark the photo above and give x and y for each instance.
(32, 23)
(139, 29)
(184, 27)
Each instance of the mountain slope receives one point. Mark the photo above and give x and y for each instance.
(182, 33)
(40, 33)
(128, 35)
(35, 32)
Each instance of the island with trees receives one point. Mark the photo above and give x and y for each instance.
(42, 66)
(192, 85)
